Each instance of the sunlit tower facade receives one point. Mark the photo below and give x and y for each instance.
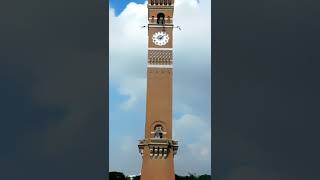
(158, 148)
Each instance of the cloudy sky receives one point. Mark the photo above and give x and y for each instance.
(53, 93)
(53, 88)
(192, 85)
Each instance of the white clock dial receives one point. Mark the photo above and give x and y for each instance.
(160, 38)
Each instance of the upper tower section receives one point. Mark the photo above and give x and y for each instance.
(160, 12)
(160, 26)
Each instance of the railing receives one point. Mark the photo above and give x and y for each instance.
(162, 141)
(158, 147)
(159, 140)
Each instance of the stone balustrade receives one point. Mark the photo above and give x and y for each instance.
(158, 148)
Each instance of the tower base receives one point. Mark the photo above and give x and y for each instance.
(158, 157)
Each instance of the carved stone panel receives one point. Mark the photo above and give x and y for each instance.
(160, 57)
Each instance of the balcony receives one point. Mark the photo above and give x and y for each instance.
(158, 147)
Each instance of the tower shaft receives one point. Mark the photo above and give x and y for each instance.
(158, 148)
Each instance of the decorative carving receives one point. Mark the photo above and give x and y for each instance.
(151, 152)
(160, 57)
(175, 147)
(141, 146)
(158, 152)
(158, 148)
(161, 2)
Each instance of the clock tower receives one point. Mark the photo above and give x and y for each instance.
(158, 148)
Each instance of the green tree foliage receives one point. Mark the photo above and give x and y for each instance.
(204, 177)
(193, 177)
(120, 176)
(136, 178)
(116, 176)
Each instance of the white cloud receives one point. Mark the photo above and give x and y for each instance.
(134, 89)
(124, 155)
(127, 53)
(192, 3)
(192, 56)
(194, 136)
(192, 83)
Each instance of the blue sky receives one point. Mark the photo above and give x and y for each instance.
(191, 88)
(119, 5)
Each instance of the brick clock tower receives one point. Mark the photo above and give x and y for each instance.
(158, 148)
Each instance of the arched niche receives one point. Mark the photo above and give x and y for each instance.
(160, 18)
(158, 130)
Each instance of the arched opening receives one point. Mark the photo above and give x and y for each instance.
(160, 18)
(158, 134)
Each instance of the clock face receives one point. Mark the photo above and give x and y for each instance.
(160, 38)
